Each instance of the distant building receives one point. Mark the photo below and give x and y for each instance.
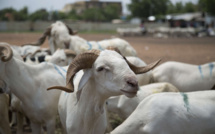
(80, 6)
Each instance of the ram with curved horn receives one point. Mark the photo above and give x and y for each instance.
(61, 36)
(143, 78)
(58, 34)
(29, 83)
(94, 76)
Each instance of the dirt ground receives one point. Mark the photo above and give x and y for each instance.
(189, 50)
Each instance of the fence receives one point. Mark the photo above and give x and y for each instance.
(80, 26)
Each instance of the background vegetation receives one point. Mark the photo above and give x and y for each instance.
(138, 8)
(145, 8)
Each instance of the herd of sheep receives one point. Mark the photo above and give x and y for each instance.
(81, 81)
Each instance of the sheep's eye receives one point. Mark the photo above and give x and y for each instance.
(100, 69)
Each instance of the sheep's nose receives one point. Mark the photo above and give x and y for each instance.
(132, 82)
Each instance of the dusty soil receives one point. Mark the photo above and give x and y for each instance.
(189, 50)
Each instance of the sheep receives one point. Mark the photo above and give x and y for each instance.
(61, 57)
(106, 74)
(129, 31)
(124, 106)
(60, 37)
(29, 83)
(186, 77)
(23, 50)
(4, 108)
(123, 31)
(172, 113)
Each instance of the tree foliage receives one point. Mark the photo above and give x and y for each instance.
(145, 8)
(207, 6)
(97, 14)
(11, 14)
(40, 14)
(93, 14)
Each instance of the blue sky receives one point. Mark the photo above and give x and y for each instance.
(34, 5)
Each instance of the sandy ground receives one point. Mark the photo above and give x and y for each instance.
(189, 50)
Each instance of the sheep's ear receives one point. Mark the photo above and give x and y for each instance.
(83, 81)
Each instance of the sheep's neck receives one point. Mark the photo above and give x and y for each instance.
(92, 102)
(15, 72)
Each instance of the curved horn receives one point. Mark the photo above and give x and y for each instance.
(24, 56)
(48, 51)
(82, 61)
(37, 51)
(7, 52)
(69, 52)
(137, 70)
(140, 70)
(41, 40)
(71, 32)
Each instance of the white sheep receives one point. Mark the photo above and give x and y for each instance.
(35, 50)
(186, 77)
(61, 36)
(124, 106)
(129, 31)
(61, 57)
(106, 74)
(4, 118)
(172, 113)
(29, 84)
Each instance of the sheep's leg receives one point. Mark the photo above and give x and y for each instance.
(36, 128)
(50, 126)
(13, 119)
(20, 118)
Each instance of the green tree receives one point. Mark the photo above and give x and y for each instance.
(179, 7)
(11, 14)
(7, 14)
(93, 14)
(171, 8)
(22, 15)
(111, 12)
(145, 8)
(40, 14)
(190, 7)
(207, 6)
(73, 15)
